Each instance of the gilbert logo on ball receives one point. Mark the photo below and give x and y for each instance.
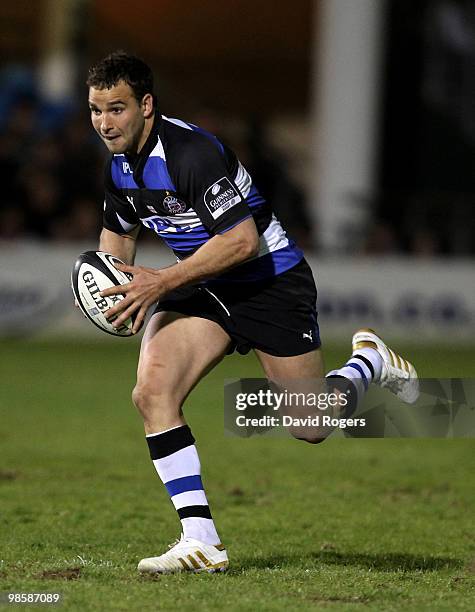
(94, 271)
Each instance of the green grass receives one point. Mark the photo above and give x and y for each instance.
(345, 525)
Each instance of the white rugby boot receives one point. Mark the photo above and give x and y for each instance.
(397, 374)
(187, 555)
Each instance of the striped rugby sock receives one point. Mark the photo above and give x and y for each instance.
(176, 460)
(359, 371)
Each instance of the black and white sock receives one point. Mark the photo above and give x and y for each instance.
(176, 460)
(362, 368)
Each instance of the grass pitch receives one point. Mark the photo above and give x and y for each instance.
(345, 525)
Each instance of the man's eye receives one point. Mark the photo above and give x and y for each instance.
(117, 111)
(95, 111)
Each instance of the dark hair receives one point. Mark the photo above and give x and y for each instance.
(121, 66)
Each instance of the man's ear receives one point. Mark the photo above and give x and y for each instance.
(147, 105)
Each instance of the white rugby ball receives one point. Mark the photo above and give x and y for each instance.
(94, 271)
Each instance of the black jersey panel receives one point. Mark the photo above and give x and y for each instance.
(204, 178)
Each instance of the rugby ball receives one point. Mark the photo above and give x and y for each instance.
(94, 271)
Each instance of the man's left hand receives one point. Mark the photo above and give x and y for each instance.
(144, 289)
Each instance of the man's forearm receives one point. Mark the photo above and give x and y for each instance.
(218, 255)
(123, 246)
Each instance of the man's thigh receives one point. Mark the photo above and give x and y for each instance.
(177, 351)
(307, 366)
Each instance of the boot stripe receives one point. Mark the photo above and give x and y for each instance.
(364, 344)
(201, 556)
(183, 563)
(193, 562)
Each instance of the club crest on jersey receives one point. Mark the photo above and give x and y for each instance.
(173, 205)
(221, 196)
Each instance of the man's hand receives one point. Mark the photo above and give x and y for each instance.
(146, 287)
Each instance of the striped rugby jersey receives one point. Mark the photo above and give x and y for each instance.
(187, 186)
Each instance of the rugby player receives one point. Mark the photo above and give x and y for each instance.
(240, 283)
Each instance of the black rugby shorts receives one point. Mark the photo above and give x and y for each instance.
(276, 315)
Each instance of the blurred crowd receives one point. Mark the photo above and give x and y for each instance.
(51, 172)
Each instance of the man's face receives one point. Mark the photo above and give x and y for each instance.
(119, 118)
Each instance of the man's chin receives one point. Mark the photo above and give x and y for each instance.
(116, 146)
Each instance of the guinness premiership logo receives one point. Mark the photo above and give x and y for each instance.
(221, 196)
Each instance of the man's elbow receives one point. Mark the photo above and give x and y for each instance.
(249, 246)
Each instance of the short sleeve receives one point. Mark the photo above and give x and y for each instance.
(119, 215)
(202, 177)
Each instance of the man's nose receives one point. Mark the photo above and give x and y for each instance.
(106, 123)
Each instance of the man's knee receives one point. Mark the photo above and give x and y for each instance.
(311, 439)
(140, 397)
(152, 399)
(312, 435)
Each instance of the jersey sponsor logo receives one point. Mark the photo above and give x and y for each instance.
(221, 196)
(126, 169)
(173, 205)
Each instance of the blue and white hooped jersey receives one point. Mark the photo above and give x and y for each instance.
(186, 186)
